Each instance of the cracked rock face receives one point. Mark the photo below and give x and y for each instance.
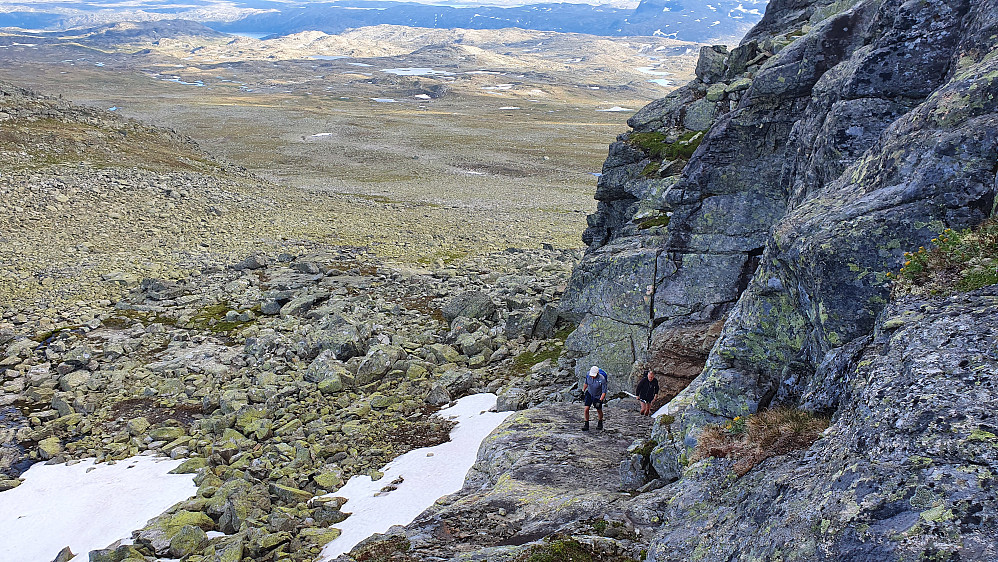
(905, 472)
(844, 136)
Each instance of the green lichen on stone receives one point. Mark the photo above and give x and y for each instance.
(937, 513)
(381, 550)
(981, 435)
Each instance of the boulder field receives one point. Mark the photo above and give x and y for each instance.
(277, 378)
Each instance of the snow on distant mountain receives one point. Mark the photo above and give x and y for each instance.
(691, 20)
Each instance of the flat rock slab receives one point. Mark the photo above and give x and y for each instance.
(537, 474)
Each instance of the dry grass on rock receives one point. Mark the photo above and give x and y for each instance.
(753, 439)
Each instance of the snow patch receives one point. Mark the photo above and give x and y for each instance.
(86, 506)
(615, 109)
(741, 8)
(416, 72)
(424, 475)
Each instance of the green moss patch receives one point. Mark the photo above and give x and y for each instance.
(651, 170)
(212, 319)
(656, 144)
(565, 549)
(446, 256)
(126, 318)
(551, 350)
(659, 221)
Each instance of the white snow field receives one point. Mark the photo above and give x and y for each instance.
(85, 506)
(427, 474)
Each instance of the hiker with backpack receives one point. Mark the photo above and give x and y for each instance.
(594, 394)
(646, 391)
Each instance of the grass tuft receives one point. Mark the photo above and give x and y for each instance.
(658, 147)
(753, 439)
(957, 261)
(659, 221)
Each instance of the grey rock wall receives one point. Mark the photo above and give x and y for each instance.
(905, 472)
(845, 134)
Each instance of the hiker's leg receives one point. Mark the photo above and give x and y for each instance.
(599, 410)
(585, 413)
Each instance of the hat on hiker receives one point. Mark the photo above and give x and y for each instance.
(594, 371)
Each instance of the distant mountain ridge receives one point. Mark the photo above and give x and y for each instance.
(701, 21)
(685, 20)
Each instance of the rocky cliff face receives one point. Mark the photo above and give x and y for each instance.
(772, 194)
(905, 472)
(745, 229)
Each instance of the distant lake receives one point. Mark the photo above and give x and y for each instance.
(250, 34)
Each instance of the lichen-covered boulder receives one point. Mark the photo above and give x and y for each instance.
(379, 360)
(471, 304)
(160, 532)
(188, 540)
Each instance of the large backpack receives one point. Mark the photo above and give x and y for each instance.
(606, 380)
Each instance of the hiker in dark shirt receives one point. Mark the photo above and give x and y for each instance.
(594, 393)
(646, 391)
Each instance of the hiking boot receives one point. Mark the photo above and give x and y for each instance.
(599, 424)
(585, 426)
